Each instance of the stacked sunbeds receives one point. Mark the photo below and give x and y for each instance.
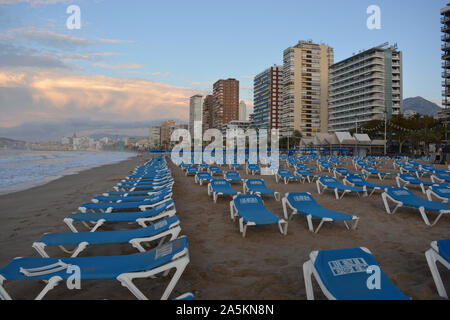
(144, 198)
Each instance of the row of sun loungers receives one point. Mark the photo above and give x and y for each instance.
(146, 197)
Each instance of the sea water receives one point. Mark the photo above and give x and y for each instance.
(20, 169)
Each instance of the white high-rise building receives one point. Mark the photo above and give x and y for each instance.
(365, 87)
(154, 136)
(242, 111)
(195, 112)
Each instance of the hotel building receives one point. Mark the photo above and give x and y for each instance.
(304, 105)
(365, 87)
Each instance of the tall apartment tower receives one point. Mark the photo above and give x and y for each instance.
(242, 111)
(226, 102)
(444, 114)
(305, 88)
(195, 112)
(365, 87)
(445, 21)
(267, 88)
(208, 112)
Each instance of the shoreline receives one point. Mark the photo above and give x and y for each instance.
(22, 186)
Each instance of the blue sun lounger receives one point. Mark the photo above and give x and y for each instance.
(331, 183)
(441, 176)
(160, 230)
(220, 187)
(373, 171)
(439, 191)
(286, 176)
(253, 169)
(201, 177)
(405, 179)
(213, 170)
(141, 193)
(107, 207)
(345, 274)
(440, 251)
(191, 171)
(342, 172)
(304, 203)
(404, 197)
(138, 187)
(124, 268)
(251, 212)
(130, 198)
(306, 175)
(233, 176)
(357, 181)
(258, 186)
(166, 209)
(145, 183)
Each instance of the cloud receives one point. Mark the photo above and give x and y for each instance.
(17, 56)
(53, 39)
(119, 66)
(31, 95)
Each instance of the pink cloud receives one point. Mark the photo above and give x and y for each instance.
(27, 95)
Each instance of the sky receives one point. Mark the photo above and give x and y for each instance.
(140, 60)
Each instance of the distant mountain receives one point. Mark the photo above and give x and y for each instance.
(421, 106)
(6, 143)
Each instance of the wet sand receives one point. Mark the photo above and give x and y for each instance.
(224, 265)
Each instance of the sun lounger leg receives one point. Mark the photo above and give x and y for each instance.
(307, 275)
(424, 216)
(3, 294)
(283, 225)
(319, 226)
(432, 257)
(277, 196)
(52, 282)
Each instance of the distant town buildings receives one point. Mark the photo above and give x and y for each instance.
(364, 87)
(166, 129)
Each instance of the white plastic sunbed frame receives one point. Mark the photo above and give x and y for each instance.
(282, 224)
(336, 192)
(309, 218)
(432, 255)
(173, 232)
(400, 180)
(276, 194)
(216, 194)
(431, 193)
(143, 222)
(399, 204)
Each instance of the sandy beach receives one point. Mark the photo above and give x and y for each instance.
(264, 265)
